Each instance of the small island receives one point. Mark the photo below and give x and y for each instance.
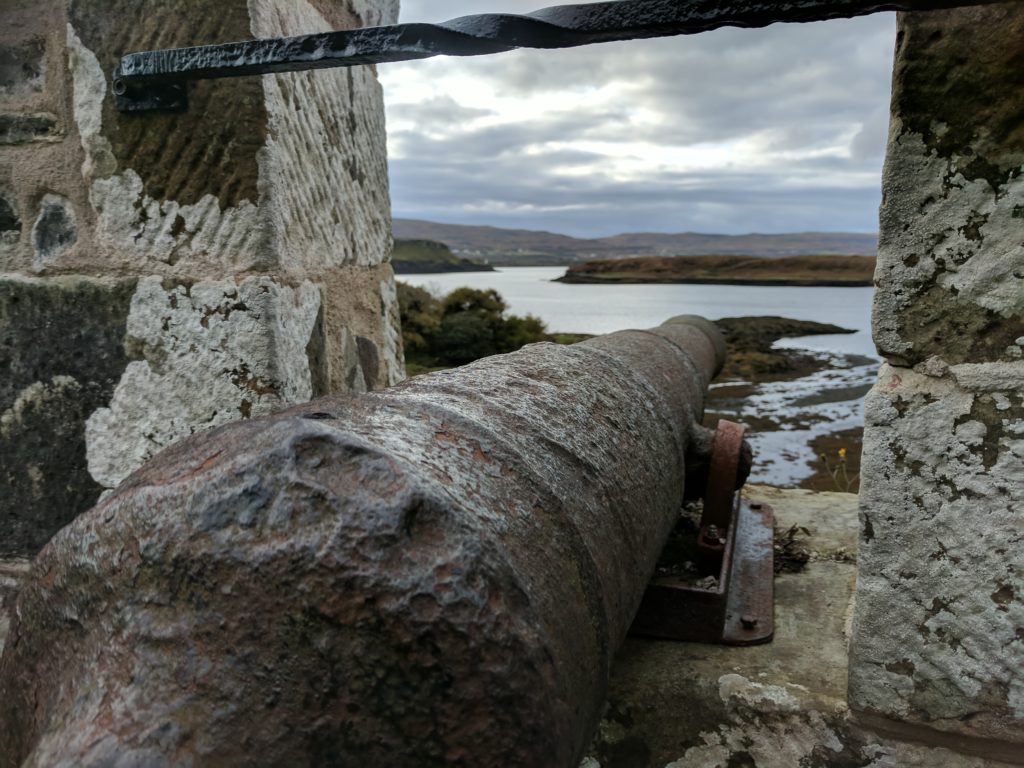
(414, 257)
(836, 271)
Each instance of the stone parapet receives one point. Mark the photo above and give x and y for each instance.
(939, 593)
(233, 257)
(940, 600)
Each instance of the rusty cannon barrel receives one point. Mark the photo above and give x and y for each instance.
(436, 574)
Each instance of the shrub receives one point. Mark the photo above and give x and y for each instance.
(465, 325)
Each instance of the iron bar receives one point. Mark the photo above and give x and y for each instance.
(155, 79)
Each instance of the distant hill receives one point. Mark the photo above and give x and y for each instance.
(838, 271)
(509, 247)
(421, 256)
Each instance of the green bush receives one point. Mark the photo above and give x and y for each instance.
(463, 326)
(465, 337)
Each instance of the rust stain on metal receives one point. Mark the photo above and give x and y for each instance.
(436, 574)
(735, 546)
(750, 612)
(723, 478)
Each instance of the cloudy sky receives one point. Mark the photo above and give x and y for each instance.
(772, 130)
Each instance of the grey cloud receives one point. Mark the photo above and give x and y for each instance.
(438, 112)
(521, 192)
(793, 87)
(869, 143)
(442, 10)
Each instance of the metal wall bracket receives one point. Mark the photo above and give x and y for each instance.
(735, 544)
(167, 96)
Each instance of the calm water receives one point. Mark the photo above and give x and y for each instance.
(784, 457)
(607, 308)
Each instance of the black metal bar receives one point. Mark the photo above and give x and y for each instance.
(154, 79)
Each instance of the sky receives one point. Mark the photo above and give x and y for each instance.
(733, 131)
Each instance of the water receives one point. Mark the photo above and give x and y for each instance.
(606, 308)
(784, 456)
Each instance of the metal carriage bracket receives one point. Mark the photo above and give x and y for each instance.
(735, 544)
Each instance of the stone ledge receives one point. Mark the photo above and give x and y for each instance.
(686, 705)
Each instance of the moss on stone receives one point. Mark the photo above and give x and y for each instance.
(61, 355)
(957, 101)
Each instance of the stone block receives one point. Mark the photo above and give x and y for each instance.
(363, 337)
(951, 258)
(203, 354)
(937, 637)
(326, 166)
(22, 68)
(54, 230)
(26, 128)
(61, 355)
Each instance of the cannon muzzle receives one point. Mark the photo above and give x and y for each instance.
(439, 573)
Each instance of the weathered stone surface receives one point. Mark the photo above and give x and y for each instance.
(940, 604)
(325, 167)
(208, 353)
(951, 260)
(54, 231)
(265, 174)
(436, 574)
(22, 129)
(34, 122)
(12, 572)
(9, 221)
(61, 355)
(22, 68)
(362, 303)
(942, 492)
(277, 173)
(178, 190)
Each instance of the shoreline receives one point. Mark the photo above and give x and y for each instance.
(801, 271)
(436, 267)
(626, 280)
(803, 430)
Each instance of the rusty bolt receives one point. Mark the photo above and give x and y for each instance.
(748, 622)
(712, 536)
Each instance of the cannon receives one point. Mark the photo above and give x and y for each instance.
(435, 574)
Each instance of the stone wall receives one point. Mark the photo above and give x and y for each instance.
(939, 629)
(165, 273)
